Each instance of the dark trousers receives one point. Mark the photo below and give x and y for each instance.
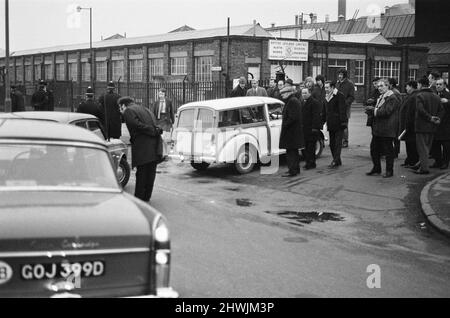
(310, 150)
(382, 146)
(424, 141)
(440, 151)
(145, 178)
(293, 161)
(412, 157)
(336, 144)
(396, 147)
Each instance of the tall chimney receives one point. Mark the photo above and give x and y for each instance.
(296, 20)
(341, 18)
(314, 19)
(327, 18)
(272, 25)
(342, 8)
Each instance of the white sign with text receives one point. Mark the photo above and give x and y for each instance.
(288, 50)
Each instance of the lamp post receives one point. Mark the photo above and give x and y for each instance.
(91, 62)
(7, 83)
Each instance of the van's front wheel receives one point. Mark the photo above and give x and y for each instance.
(246, 159)
(200, 166)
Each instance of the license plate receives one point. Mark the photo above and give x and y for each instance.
(62, 270)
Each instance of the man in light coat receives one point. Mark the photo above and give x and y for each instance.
(256, 90)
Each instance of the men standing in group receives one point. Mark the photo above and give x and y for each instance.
(90, 106)
(384, 129)
(17, 101)
(165, 117)
(291, 136)
(312, 123)
(407, 118)
(432, 78)
(346, 87)
(256, 90)
(428, 112)
(42, 99)
(111, 113)
(440, 150)
(146, 145)
(239, 90)
(336, 119)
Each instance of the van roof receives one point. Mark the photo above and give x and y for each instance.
(230, 103)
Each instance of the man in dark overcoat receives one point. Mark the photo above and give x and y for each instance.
(407, 117)
(90, 106)
(346, 87)
(42, 99)
(240, 90)
(336, 119)
(312, 123)
(291, 136)
(111, 113)
(146, 145)
(440, 150)
(17, 101)
(429, 112)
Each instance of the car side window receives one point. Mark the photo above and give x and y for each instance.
(253, 114)
(205, 119)
(96, 128)
(81, 124)
(186, 119)
(275, 111)
(229, 118)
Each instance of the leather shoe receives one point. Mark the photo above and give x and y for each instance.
(308, 167)
(421, 172)
(388, 174)
(333, 165)
(373, 172)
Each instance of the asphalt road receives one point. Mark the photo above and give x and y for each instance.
(262, 236)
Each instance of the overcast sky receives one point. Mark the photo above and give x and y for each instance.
(46, 23)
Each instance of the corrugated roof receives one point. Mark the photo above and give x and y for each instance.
(398, 26)
(437, 48)
(243, 30)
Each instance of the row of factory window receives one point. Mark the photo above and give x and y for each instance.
(178, 66)
(203, 72)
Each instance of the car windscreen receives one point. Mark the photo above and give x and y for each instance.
(36, 165)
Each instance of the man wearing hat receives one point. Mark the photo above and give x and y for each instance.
(291, 136)
(240, 91)
(111, 113)
(146, 145)
(90, 106)
(17, 101)
(42, 99)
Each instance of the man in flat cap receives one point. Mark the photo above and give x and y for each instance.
(42, 99)
(146, 145)
(90, 106)
(111, 114)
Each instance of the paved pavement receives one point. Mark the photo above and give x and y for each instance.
(435, 200)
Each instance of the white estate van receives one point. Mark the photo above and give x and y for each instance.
(239, 130)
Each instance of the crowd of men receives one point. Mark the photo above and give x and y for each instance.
(307, 109)
(421, 119)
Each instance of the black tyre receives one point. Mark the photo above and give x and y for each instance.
(200, 166)
(246, 159)
(123, 172)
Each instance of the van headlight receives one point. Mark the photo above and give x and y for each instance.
(162, 232)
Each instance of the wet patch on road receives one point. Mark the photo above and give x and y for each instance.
(232, 189)
(244, 202)
(301, 218)
(295, 240)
